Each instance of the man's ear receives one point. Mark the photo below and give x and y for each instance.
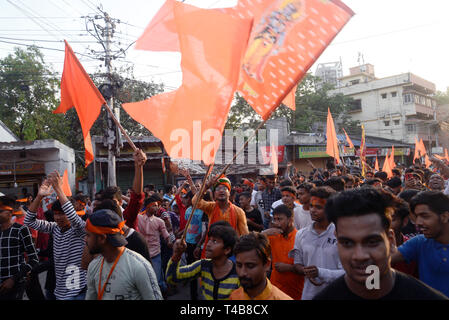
(267, 265)
(444, 217)
(392, 239)
(102, 238)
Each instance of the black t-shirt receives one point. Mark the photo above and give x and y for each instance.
(405, 288)
(137, 243)
(255, 216)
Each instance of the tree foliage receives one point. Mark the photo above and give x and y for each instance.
(28, 95)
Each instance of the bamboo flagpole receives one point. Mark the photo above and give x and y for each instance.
(125, 134)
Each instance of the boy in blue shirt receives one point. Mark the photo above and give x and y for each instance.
(430, 250)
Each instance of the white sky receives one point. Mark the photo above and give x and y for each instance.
(396, 36)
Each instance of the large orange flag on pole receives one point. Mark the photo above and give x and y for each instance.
(65, 184)
(287, 38)
(331, 137)
(417, 147)
(190, 120)
(376, 165)
(78, 90)
(387, 165)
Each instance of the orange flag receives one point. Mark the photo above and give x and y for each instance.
(376, 165)
(348, 140)
(331, 137)
(78, 90)
(287, 38)
(290, 99)
(445, 154)
(190, 120)
(427, 161)
(386, 167)
(274, 159)
(417, 147)
(422, 148)
(65, 184)
(392, 163)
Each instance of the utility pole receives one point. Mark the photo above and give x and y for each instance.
(112, 139)
(111, 131)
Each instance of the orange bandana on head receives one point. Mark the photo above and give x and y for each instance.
(104, 230)
(289, 194)
(6, 208)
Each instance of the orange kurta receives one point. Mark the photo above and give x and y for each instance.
(270, 292)
(289, 282)
(209, 206)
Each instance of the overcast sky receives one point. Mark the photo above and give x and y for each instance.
(396, 36)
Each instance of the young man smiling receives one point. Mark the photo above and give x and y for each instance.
(363, 228)
(431, 249)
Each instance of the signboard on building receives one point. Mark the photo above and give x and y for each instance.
(346, 151)
(437, 150)
(370, 152)
(397, 151)
(305, 152)
(22, 169)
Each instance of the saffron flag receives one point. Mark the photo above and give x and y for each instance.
(65, 184)
(287, 38)
(290, 99)
(348, 140)
(78, 90)
(190, 121)
(274, 159)
(392, 163)
(363, 151)
(427, 161)
(446, 155)
(376, 165)
(386, 167)
(416, 155)
(331, 137)
(422, 148)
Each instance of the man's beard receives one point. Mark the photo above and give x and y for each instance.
(246, 283)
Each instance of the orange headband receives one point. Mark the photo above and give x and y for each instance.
(22, 200)
(104, 230)
(290, 193)
(6, 208)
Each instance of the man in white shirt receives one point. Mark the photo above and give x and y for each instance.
(315, 251)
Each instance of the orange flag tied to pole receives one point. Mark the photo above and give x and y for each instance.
(427, 161)
(331, 137)
(65, 184)
(417, 147)
(376, 165)
(78, 90)
(422, 148)
(446, 155)
(392, 163)
(287, 38)
(190, 120)
(387, 166)
(348, 140)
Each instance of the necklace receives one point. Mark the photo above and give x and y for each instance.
(101, 290)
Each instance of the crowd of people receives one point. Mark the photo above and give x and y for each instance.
(330, 234)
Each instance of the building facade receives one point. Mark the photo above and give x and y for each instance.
(400, 107)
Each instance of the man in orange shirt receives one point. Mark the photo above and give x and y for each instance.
(252, 256)
(223, 209)
(282, 240)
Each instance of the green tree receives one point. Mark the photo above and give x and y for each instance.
(28, 95)
(442, 97)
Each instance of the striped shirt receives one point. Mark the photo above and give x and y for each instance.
(211, 288)
(68, 248)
